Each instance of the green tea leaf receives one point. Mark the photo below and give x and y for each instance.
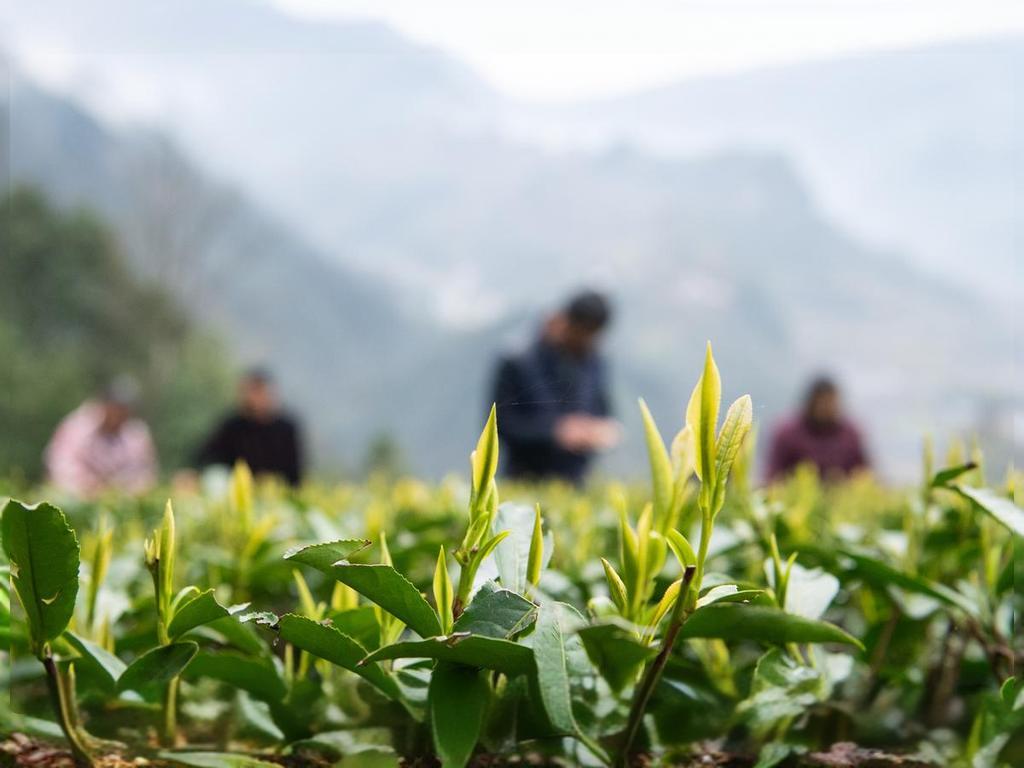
(258, 677)
(358, 623)
(498, 613)
(616, 652)
(326, 642)
(616, 586)
(324, 556)
(512, 554)
(736, 621)
(443, 592)
(702, 417)
(535, 561)
(682, 548)
(157, 666)
(485, 457)
(997, 506)
(471, 650)
(231, 631)
(109, 667)
(661, 467)
(389, 589)
(735, 429)
(880, 574)
(548, 639)
(459, 697)
(200, 610)
(809, 591)
(944, 477)
(43, 553)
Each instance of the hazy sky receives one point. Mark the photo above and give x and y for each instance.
(553, 49)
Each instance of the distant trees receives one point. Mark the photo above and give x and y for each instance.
(72, 316)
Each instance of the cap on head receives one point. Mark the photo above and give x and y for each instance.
(588, 310)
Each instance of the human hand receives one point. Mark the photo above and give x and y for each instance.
(583, 433)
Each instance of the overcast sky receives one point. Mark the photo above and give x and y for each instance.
(556, 49)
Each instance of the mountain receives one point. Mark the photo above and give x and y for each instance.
(918, 150)
(410, 237)
(233, 265)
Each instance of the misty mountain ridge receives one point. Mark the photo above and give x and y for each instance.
(918, 148)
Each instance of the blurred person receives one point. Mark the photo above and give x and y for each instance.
(552, 399)
(818, 435)
(102, 445)
(258, 432)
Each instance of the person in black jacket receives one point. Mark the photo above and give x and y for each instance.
(552, 399)
(258, 433)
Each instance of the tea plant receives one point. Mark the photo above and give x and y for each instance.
(689, 618)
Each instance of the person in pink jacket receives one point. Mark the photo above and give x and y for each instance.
(102, 445)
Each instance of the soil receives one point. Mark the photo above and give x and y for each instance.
(20, 751)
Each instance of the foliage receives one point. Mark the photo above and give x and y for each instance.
(396, 619)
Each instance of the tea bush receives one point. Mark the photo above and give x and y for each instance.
(691, 620)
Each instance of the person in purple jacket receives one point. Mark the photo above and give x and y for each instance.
(820, 435)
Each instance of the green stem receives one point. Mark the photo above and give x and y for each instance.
(654, 671)
(705, 541)
(63, 709)
(170, 726)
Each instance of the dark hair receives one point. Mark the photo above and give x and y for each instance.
(124, 390)
(819, 386)
(588, 309)
(258, 375)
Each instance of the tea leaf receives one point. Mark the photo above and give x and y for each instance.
(944, 477)
(661, 467)
(459, 697)
(443, 593)
(324, 556)
(471, 650)
(682, 548)
(389, 589)
(496, 613)
(998, 507)
(512, 555)
(616, 652)
(702, 417)
(535, 560)
(44, 556)
(880, 574)
(198, 611)
(240, 497)
(734, 431)
(257, 677)
(735, 621)
(485, 458)
(108, 666)
(157, 666)
(358, 623)
(549, 651)
(616, 587)
(326, 642)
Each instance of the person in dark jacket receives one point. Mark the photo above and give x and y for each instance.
(258, 433)
(552, 400)
(818, 435)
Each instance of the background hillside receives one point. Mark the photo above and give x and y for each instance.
(373, 220)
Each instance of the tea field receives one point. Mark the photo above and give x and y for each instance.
(693, 619)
